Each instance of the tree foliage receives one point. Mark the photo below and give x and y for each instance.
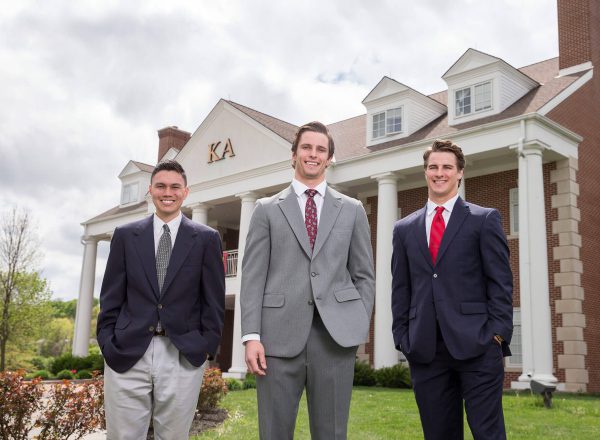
(24, 295)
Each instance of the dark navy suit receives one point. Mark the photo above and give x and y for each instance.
(192, 303)
(445, 317)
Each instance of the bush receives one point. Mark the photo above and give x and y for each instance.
(213, 389)
(65, 374)
(41, 362)
(397, 376)
(234, 384)
(42, 374)
(19, 401)
(83, 374)
(63, 416)
(249, 382)
(364, 374)
(67, 361)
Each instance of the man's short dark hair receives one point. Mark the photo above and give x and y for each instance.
(169, 165)
(317, 127)
(445, 146)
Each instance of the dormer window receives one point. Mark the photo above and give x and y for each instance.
(387, 122)
(473, 99)
(129, 193)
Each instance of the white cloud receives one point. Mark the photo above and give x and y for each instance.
(85, 85)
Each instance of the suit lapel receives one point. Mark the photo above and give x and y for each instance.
(332, 205)
(460, 212)
(288, 202)
(420, 232)
(144, 244)
(183, 244)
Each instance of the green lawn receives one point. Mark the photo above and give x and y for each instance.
(386, 414)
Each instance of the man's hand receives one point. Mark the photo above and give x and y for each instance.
(255, 358)
(498, 339)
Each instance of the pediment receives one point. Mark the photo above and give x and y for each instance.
(229, 142)
(134, 167)
(470, 60)
(386, 87)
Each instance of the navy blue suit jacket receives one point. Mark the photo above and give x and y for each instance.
(468, 291)
(190, 308)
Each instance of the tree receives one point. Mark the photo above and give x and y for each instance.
(18, 253)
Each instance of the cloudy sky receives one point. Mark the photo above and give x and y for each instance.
(86, 84)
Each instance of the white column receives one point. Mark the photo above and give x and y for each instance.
(85, 302)
(385, 354)
(461, 188)
(536, 325)
(238, 364)
(200, 212)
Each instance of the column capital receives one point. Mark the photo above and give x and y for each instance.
(248, 196)
(200, 205)
(387, 177)
(89, 239)
(529, 149)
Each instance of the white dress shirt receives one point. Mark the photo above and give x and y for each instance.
(158, 230)
(448, 207)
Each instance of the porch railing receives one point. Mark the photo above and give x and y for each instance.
(230, 262)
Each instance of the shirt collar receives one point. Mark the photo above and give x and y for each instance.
(173, 224)
(448, 206)
(300, 188)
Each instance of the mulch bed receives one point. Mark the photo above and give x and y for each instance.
(203, 421)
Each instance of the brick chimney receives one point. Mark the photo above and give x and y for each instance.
(575, 33)
(171, 137)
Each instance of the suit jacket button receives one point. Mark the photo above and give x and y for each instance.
(310, 302)
(150, 329)
(313, 274)
(160, 306)
(435, 275)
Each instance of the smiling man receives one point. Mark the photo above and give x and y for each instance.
(452, 304)
(307, 295)
(161, 315)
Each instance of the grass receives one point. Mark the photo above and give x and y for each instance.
(389, 414)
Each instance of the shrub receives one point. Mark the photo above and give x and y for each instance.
(67, 361)
(364, 374)
(234, 384)
(249, 382)
(63, 417)
(19, 401)
(83, 374)
(213, 389)
(41, 362)
(397, 376)
(42, 374)
(65, 374)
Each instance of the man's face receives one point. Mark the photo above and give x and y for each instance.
(168, 191)
(442, 176)
(311, 159)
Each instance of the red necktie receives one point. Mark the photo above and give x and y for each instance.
(437, 231)
(310, 216)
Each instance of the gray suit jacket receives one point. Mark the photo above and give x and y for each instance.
(283, 280)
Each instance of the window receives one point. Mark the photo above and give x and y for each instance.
(379, 125)
(129, 193)
(473, 99)
(387, 123)
(516, 344)
(514, 211)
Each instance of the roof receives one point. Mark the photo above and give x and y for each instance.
(144, 166)
(117, 210)
(283, 129)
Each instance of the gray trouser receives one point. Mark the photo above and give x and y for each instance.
(162, 385)
(326, 370)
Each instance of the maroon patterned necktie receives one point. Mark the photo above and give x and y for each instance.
(437, 231)
(310, 216)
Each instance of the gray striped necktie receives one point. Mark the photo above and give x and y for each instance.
(163, 254)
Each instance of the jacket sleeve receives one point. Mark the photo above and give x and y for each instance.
(401, 290)
(255, 266)
(114, 289)
(360, 260)
(499, 281)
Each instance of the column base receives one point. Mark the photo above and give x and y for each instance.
(236, 373)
